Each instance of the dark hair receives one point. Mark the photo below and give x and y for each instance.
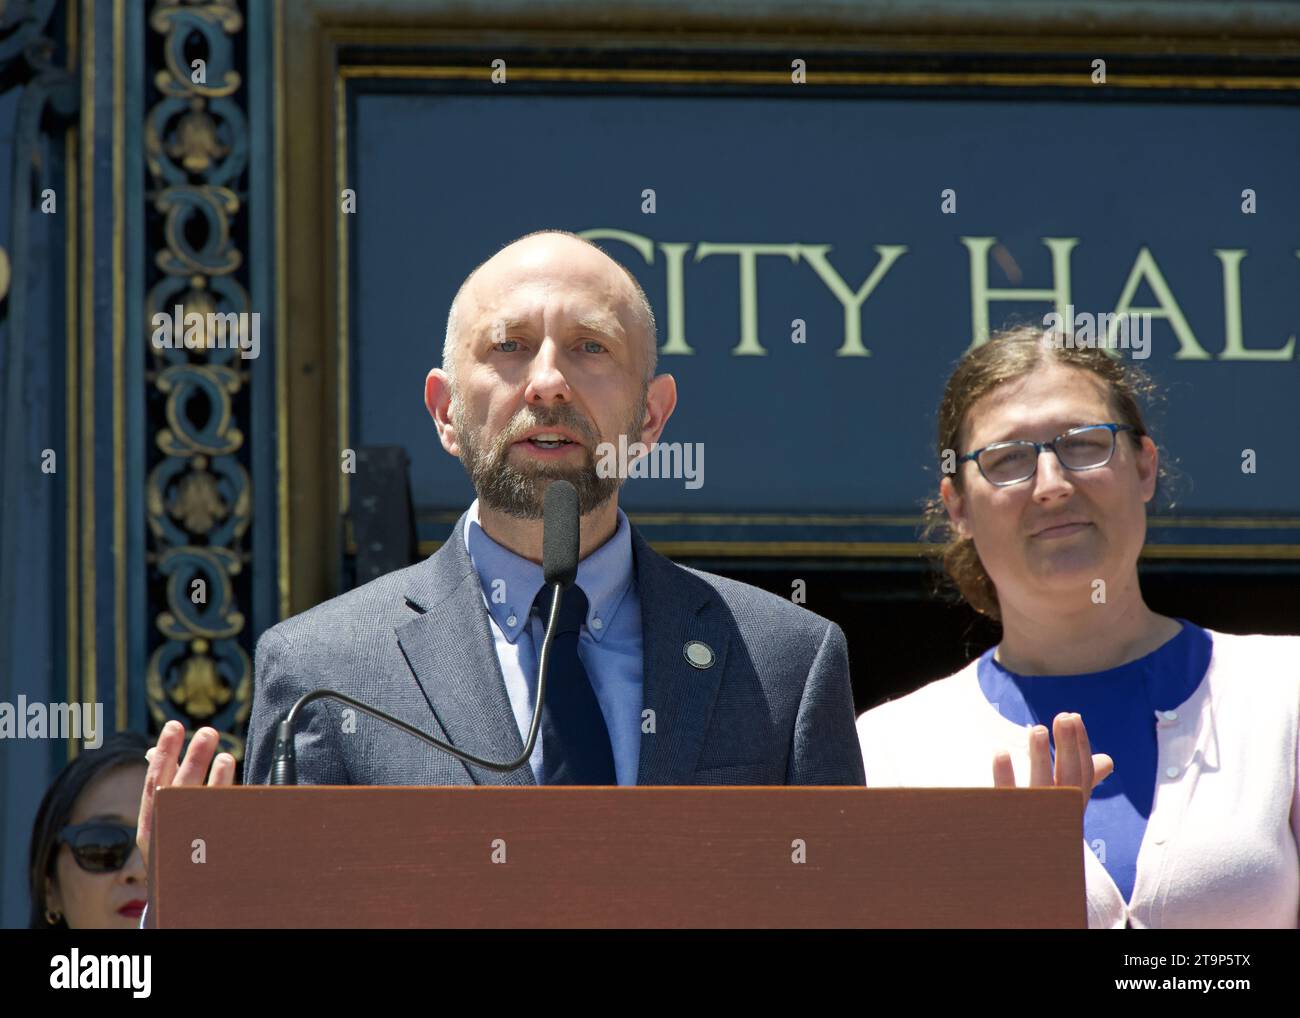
(118, 750)
(1010, 355)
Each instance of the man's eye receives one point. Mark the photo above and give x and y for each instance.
(593, 346)
(507, 345)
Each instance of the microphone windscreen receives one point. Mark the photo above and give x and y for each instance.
(560, 533)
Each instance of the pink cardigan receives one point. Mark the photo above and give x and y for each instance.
(1220, 848)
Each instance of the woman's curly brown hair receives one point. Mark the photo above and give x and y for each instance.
(1008, 356)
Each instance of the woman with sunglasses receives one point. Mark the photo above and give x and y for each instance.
(85, 871)
(1049, 469)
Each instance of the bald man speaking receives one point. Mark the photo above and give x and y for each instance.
(670, 676)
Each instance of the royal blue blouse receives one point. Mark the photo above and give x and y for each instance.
(1118, 707)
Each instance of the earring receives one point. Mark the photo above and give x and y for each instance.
(52, 917)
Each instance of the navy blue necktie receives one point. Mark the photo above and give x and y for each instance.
(575, 741)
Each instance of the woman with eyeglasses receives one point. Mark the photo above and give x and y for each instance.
(85, 870)
(1194, 819)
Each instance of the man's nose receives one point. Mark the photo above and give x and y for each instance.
(546, 381)
(1051, 480)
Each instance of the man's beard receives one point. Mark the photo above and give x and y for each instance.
(516, 489)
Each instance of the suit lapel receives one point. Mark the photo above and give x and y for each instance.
(676, 608)
(451, 653)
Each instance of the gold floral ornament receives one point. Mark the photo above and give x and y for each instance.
(198, 301)
(195, 144)
(198, 504)
(200, 692)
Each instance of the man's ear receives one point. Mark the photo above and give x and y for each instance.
(955, 503)
(660, 401)
(437, 398)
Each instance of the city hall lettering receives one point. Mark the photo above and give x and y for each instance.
(673, 258)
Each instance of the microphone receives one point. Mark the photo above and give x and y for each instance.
(560, 544)
(560, 533)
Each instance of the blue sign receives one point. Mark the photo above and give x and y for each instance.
(818, 265)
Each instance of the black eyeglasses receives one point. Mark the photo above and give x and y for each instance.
(99, 846)
(1085, 448)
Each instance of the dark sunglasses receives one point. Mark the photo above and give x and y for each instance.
(99, 846)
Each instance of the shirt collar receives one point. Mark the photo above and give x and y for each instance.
(510, 582)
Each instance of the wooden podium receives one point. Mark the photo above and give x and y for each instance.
(506, 856)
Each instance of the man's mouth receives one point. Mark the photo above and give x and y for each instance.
(549, 441)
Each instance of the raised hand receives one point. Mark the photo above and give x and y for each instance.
(166, 768)
(1076, 765)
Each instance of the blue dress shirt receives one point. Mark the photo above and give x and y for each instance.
(609, 644)
(1118, 707)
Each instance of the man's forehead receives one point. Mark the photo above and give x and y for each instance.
(550, 261)
(530, 299)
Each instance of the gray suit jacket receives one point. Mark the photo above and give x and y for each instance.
(774, 708)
